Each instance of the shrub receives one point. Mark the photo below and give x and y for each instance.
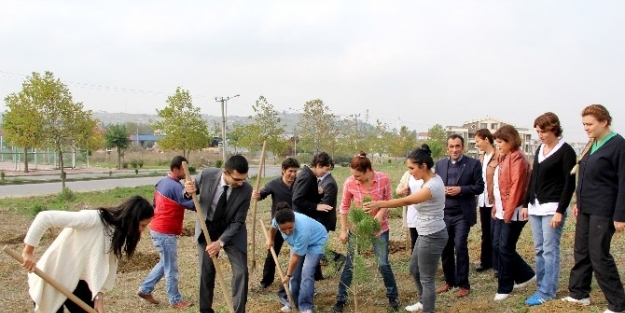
(389, 161)
(2, 174)
(66, 195)
(192, 170)
(134, 163)
(36, 209)
(140, 163)
(125, 165)
(136, 171)
(219, 163)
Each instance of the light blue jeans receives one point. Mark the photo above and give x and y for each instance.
(167, 266)
(302, 282)
(380, 248)
(547, 248)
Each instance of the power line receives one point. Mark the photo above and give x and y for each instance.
(106, 88)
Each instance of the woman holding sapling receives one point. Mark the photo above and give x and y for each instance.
(364, 185)
(430, 203)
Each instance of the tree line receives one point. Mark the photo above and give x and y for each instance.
(43, 114)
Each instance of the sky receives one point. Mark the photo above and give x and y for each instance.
(412, 63)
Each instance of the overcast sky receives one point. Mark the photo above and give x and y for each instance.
(413, 63)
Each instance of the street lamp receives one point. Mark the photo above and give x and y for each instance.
(223, 123)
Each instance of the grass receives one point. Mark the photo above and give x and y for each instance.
(16, 215)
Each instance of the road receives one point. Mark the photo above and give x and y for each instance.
(26, 190)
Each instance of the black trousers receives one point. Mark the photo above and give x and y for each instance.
(486, 253)
(269, 269)
(593, 236)
(456, 268)
(83, 293)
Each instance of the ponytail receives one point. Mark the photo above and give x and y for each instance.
(582, 155)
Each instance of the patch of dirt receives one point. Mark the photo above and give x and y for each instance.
(140, 261)
(188, 230)
(12, 240)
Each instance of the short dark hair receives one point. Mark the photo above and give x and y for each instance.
(125, 219)
(322, 159)
(485, 134)
(284, 214)
(456, 136)
(549, 122)
(510, 135)
(361, 162)
(422, 155)
(289, 163)
(176, 162)
(237, 163)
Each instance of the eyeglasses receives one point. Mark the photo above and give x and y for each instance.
(238, 180)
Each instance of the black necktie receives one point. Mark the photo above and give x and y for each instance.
(220, 209)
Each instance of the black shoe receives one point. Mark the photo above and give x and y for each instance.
(394, 303)
(338, 307)
(339, 261)
(264, 286)
(482, 268)
(318, 276)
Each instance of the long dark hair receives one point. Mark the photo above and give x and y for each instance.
(125, 219)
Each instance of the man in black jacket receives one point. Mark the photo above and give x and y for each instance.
(462, 176)
(308, 194)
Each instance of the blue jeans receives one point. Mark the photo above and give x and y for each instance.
(167, 266)
(547, 247)
(380, 248)
(302, 283)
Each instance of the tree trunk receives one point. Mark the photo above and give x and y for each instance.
(119, 158)
(26, 160)
(61, 166)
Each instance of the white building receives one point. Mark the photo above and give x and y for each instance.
(468, 129)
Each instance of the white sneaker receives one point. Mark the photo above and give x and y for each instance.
(285, 309)
(585, 301)
(501, 296)
(415, 307)
(523, 284)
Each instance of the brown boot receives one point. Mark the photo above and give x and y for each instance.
(443, 288)
(462, 292)
(147, 297)
(182, 305)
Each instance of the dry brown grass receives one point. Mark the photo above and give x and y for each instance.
(13, 284)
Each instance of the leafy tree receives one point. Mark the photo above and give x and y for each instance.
(117, 137)
(317, 124)
(182, 124)
(437, 141)
(20, 122)
(64, 123)
(269, 125)
(405, 141)
(247, 136)
(350, 139)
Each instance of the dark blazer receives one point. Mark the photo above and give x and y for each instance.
(235, 232)
(305, 193)
(470, 182)
(330, 193)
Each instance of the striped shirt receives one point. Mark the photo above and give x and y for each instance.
(354, 192)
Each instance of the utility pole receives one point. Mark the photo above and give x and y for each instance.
(224, 102)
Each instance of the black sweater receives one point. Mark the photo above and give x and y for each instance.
(279, 192)
(601, 185)
(551, 179)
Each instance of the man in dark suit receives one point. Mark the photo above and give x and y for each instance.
(328, 219)
(462, 176)
(224, 199)
(307, 194)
